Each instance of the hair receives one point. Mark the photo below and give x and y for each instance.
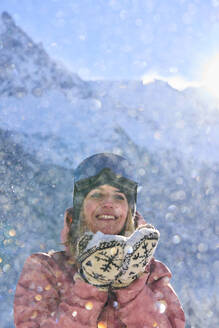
(81, 227)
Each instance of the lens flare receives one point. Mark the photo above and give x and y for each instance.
(211, 76)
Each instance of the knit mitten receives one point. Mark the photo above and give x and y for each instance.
(138, 251)
(100, 257)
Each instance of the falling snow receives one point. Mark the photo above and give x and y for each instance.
(51, 119)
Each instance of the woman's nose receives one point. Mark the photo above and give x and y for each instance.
(108, 201)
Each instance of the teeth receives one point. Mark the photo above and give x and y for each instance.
(106, 217)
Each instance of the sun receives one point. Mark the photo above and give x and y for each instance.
(211, 76)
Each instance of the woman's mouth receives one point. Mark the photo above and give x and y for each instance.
(106, 217)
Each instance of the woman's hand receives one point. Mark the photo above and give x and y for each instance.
(113, 260)
(100, 258)
(138, 251)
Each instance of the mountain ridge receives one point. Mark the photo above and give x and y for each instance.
(25, 67)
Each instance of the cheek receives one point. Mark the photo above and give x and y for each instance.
(125, 209)
(89, 208)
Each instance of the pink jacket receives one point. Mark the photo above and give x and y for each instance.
(48, 296)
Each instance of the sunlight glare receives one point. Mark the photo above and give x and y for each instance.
(211, 76)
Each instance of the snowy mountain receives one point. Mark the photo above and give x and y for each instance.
(25, 67)
(41, 98)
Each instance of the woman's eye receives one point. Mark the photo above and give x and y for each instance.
(96, 195)
(99, 195)
(119, 197)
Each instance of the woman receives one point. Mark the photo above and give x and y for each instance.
(97, 281)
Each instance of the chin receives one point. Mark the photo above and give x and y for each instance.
(109, 231)
(108, 228)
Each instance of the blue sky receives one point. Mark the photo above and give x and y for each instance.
(123, 39)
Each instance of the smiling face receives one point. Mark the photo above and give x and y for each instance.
(105, 209)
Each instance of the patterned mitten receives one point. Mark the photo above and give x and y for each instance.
(139, 249)
(100, 257)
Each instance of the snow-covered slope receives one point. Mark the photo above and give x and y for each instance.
(164, 117)
(33, 197)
